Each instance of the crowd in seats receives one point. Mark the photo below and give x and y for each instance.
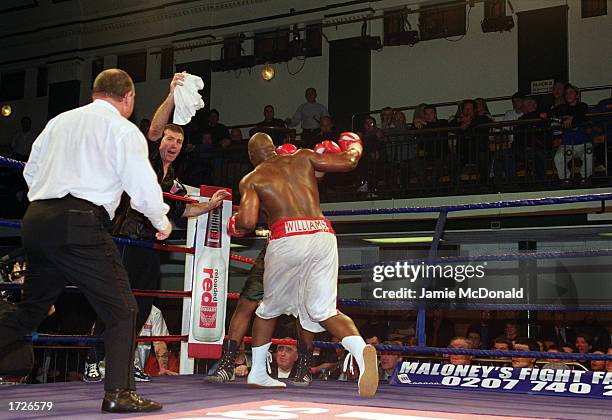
(539, 141)
(488, 332)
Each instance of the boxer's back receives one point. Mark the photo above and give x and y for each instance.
(287, 187)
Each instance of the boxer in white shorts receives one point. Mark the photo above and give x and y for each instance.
(301, 272)
(301, 264)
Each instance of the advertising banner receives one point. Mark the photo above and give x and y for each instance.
(209, 280)
(504, 379)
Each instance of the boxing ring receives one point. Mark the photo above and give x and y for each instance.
(189, 396)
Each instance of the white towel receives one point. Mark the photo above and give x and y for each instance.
(187, 100)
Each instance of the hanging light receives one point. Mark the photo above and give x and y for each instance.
(6, 110)
(267, 73)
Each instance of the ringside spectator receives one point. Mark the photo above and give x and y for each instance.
(269, 125)
(531, 139)
(473, 147)
(524, 344)
(555, 98)
(460, 343)
(556, 364)
(482, 109)
(575, 142)
(308, 115)
(517, 108)
(598, 365)
(327, 131)
(217, 131)
(284, 360)
(475, 338)
(235, 135)
(386, 118)
(388, 361)
(584, 343)
(592, 327)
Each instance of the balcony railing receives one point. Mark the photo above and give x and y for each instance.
(524, 155)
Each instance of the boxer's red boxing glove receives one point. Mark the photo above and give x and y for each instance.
(327, 146)
(231, 227)
(286, 149)
(347, 139)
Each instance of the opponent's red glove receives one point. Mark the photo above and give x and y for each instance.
(327, 146)
(231, 227)
(347, 139)
(286, 149)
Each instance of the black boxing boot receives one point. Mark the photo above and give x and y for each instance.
(303, 374)
(127, 401)
(227, 363)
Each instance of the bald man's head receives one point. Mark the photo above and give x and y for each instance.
(113, 83)
(261, 147)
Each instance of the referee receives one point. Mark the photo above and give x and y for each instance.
(78, 168)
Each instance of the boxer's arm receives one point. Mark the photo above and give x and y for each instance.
(336, 162)
(247, 216)
(162, 114)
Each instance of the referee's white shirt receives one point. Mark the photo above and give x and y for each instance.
(95, 154)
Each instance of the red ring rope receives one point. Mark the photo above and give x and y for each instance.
(162, 293)
(162, 338)
(242, 259)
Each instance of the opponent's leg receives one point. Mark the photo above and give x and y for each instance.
(238, 327)
(262, 339)
(344, 328)
(250, 296)
(303, 374)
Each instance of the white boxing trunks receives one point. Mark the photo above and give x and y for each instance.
(301, 272)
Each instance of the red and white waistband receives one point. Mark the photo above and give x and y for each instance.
(292, 227)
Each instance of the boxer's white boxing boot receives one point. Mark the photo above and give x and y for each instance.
(365, 356)
(258, 377)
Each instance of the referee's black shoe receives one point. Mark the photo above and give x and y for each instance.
(127, 401)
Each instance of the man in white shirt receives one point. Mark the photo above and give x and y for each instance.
(155, 326)
(78, 168)
(308, 115)
(143, 264)
(517, 108)
(503, 159)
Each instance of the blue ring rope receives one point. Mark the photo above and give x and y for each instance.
(476, 352)
(4, 161)
(475, 206)
(47, 338)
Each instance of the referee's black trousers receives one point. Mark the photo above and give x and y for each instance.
(142, 265)
(66, 240)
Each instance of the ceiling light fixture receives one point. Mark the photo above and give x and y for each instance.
(267, 73)
(6, 111)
